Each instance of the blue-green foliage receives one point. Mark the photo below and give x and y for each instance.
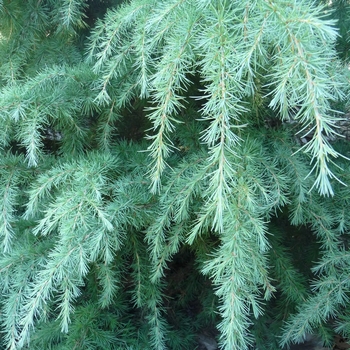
(221, 223)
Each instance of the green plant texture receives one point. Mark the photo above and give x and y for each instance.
(174, 173)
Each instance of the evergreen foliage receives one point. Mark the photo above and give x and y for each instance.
(173, 170)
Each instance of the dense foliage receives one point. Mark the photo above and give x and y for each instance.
(173, 172)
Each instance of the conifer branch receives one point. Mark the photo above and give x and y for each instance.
(70, 14)
(109, 281)
(63, 265)
(314, 91)
(166, 86)
(222, 112)
(290, 281)
(10, 180)
(167, 232)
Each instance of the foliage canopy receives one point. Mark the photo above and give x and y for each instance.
(172, 169)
